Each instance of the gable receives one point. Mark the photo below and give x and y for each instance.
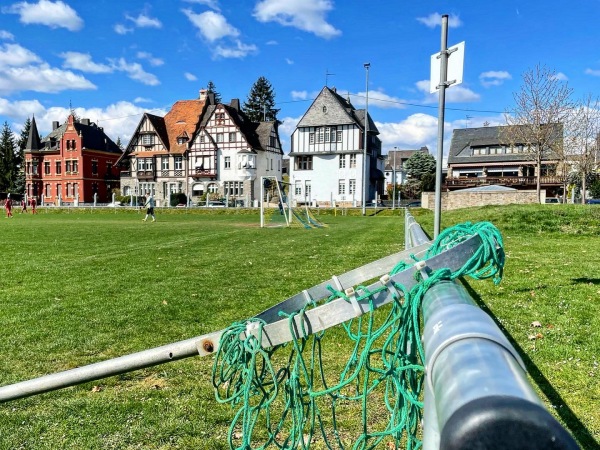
(327, 110)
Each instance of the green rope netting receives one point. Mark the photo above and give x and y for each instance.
(286, 396)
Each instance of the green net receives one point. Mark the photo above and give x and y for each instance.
(288, 396)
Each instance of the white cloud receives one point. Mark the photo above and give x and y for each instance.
(435, 19)
(190, 76)
(306, 15)
(151, 59)
(135, 71)
(6, 35)
(299, 95)
(377, 98)
(15, 55)
(45, 12)
(237, 50)
(142, 100)
(285, 131)
(144, 21)
(213, 4)
(454, 94)
(212, 26)
(289, 61)
(560, 77)
(41, 78)
(593, 72)
(20, 109)
(83, 62)
(272, 42)
(494, 77)
(122, 29)
(415, 131)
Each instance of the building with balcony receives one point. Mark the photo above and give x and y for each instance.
(481, 156)
(75, 163)
(199, 148)
(327, 157)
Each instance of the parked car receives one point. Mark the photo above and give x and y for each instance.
(112, 205)
(593, 201)
(552, 200)
(216, 204)
(415, 204)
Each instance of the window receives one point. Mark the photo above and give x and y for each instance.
(147, 139)
(320, 135)
(202, 139)
(68, 170)
(213, 188)
(272, 141)
(181, 140)
(311, 138)
(47, 190)
(304, 163)
(298, 188)
(94, 167)
(342, 161)
(220, 118)
(75, 168)
(219, 137)
(232, 137)
(58, 190)
(69, 194)
(178, 162)
(352, 161)
(233, 188)
(339, 136)
(351, 187)
(58, 168)
(28, 167)
(228, 162)
(165, 163)
(342, 187)
(307, 188)
(35, 169)
(47, 167)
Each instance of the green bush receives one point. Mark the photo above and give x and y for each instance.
(177, 198)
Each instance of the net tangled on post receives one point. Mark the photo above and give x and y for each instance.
(287, 397)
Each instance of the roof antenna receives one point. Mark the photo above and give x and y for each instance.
(327, 76)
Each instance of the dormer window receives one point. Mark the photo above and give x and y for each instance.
(246, 161)
(182, 140)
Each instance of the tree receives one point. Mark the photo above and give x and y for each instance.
(420, 164)
(541, 106)
(19, 184)
(581, 139)
(212, 89)
(260, 104)
(8, 167)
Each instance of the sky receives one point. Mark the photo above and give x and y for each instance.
(111, 61)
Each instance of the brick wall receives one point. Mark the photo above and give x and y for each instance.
(458, 199)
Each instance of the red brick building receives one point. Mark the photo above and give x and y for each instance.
(71, 164)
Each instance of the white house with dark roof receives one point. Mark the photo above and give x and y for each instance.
(326, 158)
(395, 162)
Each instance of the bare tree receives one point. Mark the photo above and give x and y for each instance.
(536, 122)
(581, 138)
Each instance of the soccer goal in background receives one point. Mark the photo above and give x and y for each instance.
(278, 209)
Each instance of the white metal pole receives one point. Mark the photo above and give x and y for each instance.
(394, 183)
(440, 142)
(364, 177)
(262, 208)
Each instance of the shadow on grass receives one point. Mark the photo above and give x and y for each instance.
(572, 422)
(586, 280)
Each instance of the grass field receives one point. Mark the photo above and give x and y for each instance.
(83, 287)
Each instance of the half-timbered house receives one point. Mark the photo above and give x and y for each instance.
(327, 157)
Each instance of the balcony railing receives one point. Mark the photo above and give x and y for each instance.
(198, 172)
(463, 182)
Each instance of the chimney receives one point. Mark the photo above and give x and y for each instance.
(235, 104)
(202, 95)
(85, 121)
(54, 125)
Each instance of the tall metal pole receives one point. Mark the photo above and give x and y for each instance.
(440, 142)
(394, 182)
(364, 177)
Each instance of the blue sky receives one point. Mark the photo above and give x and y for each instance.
(113, 60)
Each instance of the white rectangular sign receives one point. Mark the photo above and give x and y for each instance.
(456, 62)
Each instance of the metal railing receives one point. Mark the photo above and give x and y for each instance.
(504, 181)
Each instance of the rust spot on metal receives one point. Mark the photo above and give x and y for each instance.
(208, 346)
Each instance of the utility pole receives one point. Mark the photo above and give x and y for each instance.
(364, 178)
(394, 181)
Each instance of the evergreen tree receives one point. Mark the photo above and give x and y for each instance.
(260, 104)
(19, 184)
(119, 143)
(419, 165)
(8, 168)
(212, 89)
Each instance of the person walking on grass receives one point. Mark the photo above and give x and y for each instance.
(149, 207)
(33, 205)
(23, 206)
(8, 206)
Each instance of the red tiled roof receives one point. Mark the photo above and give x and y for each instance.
(182, 120)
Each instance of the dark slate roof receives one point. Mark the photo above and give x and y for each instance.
(400, 157)
(338, 111)
(159, 125)
(33, 140)
(93, 138)
(467, 138)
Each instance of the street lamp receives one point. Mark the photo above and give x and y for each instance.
(364, 178)
(394, 180)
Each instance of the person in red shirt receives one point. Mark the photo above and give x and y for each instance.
(8, 206)
(23, 206)
(33, 204)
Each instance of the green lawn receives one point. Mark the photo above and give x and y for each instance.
(83, 287)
